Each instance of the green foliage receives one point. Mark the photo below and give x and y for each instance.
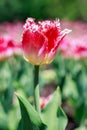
(43, 9)
(69, 74)
(73, 75)
(30, 118)
(81, 128)
(3, 119)
(13, 77)
(70, 89)
(53, 115)
(83, 9)
(4, 80)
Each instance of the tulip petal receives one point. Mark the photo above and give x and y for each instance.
(52, 35)
(34, 46)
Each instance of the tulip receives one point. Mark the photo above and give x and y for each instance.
(8, 48)
(12, 30)
(44, 101)
(75, 44)
(10, 44)
(40, 41)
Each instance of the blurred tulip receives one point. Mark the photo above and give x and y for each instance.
(75, 44)
(44, 101)
(41, 40)
(10, 35)
(13, 30)
(8, 48)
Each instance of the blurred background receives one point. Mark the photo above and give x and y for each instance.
(68, 70)
(43, 9)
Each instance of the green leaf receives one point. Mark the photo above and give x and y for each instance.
(30, 118)
(53, 115)
(70, 89)
(3, 118)
(81, 128)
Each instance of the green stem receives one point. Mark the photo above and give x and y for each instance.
(36, 88)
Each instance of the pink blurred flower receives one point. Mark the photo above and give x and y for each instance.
(74, 45)
(44, 101)
(7, 48)
(10, 35)
(13, 30)
(41, 40)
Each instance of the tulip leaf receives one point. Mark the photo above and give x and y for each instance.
(30, 118)
(3, 118)
(81, 128)
(53, 115)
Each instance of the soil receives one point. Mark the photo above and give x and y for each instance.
(71, 123)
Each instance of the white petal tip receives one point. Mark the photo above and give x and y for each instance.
(67, 31)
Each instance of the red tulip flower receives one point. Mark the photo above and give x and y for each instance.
(41, 40)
